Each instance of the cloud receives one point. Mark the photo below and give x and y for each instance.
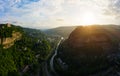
(46, 13)
(113, 8)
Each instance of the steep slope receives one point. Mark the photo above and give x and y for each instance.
(22, 52)
(91, 37)
(8, 35)
(91, 50)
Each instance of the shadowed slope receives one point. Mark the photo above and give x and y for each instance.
(91, 50)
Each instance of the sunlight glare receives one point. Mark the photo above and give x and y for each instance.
(89, 19)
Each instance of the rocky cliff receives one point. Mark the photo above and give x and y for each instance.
(7, 38)
(8, 42)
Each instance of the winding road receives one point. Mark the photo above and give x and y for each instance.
(45, 66)
(52, 58)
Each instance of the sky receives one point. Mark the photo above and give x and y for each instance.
(42, 14)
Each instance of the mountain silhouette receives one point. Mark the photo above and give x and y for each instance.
(92, 51)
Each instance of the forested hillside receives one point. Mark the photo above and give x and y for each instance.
(90, 51)
(26, 54)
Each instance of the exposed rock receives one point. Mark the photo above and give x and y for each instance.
(8, 41)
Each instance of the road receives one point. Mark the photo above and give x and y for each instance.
(45, 66)
(52, 58)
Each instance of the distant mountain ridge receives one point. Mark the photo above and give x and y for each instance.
(60, 31)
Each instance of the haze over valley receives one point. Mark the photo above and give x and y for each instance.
(59, 38)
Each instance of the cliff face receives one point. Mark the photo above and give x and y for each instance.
(8, 42)
(13, 36)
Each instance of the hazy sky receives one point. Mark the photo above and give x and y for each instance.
(53, 13)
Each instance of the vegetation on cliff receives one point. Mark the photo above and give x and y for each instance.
(28, 51)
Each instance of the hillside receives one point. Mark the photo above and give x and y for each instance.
(22, 50)
(60, 31)
(91, 51)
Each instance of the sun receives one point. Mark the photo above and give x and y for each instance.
(88, 19)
